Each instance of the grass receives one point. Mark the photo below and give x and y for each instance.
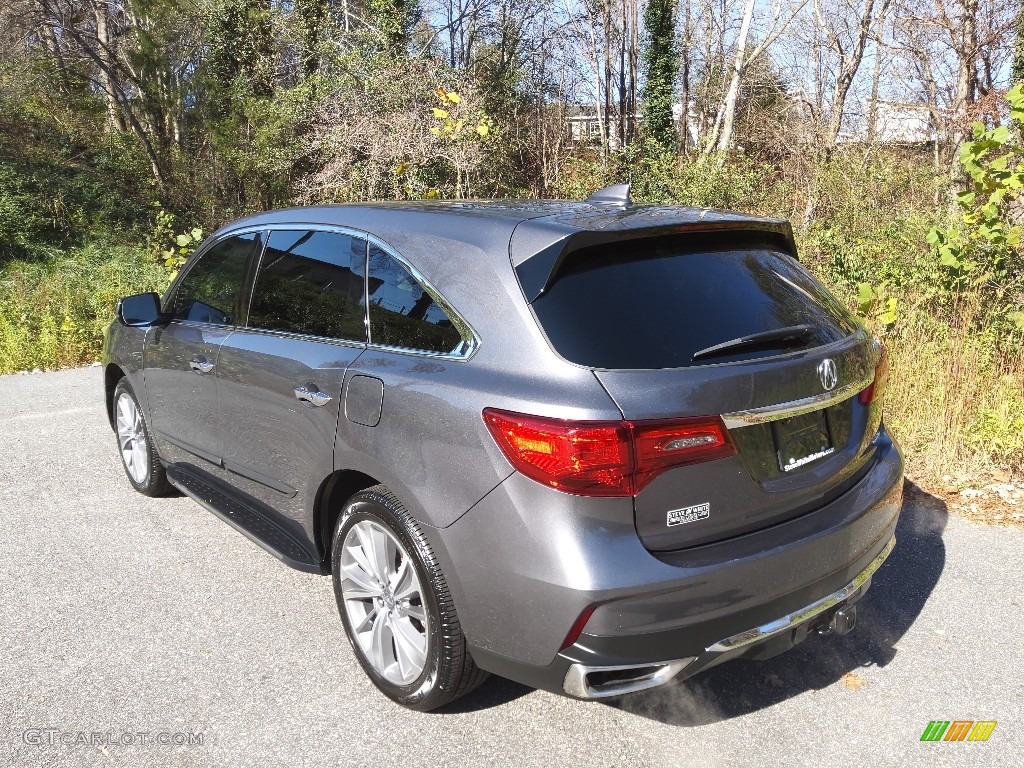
(955, 398)
(53, 312)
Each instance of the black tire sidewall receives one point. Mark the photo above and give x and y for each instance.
(420, 690)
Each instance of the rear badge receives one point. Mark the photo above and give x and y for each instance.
(827, 374)
(689, 514)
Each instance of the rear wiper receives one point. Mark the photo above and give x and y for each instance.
(780, 336)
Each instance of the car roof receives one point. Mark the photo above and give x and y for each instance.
(560, 214)
(473, 251)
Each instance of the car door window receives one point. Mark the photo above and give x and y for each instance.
(402, 313)
(311, 282)
(209, 290)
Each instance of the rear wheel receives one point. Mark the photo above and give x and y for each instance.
(138, 454)
(395, 605)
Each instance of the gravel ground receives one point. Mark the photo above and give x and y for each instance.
(125, 615)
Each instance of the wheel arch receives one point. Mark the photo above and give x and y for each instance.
(340, 486)
(112, 374)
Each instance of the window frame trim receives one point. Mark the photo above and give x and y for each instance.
(470, 340)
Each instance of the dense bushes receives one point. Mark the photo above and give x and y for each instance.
(61, 183)
(862, 222)
(53, 311)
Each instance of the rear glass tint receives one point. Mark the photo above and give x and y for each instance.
(654, 303)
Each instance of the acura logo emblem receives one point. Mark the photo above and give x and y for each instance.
(827, 374)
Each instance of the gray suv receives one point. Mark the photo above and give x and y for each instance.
(589, 446)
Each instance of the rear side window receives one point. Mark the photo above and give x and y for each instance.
(311, 283)
(209, 291)
(655, 303)
(402, 313)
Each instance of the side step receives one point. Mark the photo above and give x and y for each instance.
(245, 518)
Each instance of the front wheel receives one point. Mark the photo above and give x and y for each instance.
(395, 605)
(138, 454)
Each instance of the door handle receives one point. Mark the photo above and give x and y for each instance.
(200, 365)
(312, 395)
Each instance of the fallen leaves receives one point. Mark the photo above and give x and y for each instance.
(852, 681)
(996, 503)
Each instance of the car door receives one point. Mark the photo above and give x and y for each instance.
(181, 354)
(280, 375)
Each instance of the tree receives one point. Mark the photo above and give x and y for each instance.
(847, 30)
(660, 70)
(1017, 71)
(721, 134)
(957, 49)
(313, 20)
(242, 47)
(393, 20)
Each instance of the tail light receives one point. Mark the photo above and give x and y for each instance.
(604, 458)
(876, 388)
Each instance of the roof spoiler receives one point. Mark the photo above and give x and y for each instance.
(538, 272)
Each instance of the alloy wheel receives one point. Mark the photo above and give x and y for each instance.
(131, 437)
(384, 602)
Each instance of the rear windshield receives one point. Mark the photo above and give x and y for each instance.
(654, 303)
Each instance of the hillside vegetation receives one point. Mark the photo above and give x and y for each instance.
(128, 129)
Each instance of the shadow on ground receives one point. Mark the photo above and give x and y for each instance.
(897, 595)
(493, 693)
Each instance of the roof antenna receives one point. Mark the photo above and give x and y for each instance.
(616, 194)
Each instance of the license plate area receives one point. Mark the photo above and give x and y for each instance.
(802, 440)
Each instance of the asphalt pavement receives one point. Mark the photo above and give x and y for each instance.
(127, 621)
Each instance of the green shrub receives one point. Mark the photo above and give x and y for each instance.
(663, 178)
(61, 186)
(53, 312)
(983, 248)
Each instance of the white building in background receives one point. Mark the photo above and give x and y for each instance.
(585, 126)
(895, 123)
(903, 123)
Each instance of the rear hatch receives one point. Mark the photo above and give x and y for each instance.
(721, 324)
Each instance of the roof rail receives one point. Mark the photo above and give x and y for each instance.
(616, 194)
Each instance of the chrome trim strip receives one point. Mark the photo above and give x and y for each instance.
(576, 683)
(791, 620)
(794, 407)
(297, 336)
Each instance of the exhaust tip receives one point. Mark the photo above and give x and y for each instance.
(587, 682)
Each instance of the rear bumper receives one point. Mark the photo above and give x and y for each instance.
(537, 568)
(587, 680)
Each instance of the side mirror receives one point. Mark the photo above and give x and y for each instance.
(140, 309)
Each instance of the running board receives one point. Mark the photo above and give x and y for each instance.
(245, 519)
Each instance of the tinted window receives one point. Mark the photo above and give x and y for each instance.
(208, 292)
(311, 282)
(402, 314)
(653, 304)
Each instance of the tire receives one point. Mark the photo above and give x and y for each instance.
(139, 458)
(405, 634)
